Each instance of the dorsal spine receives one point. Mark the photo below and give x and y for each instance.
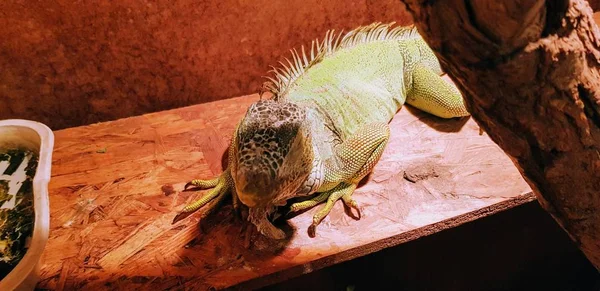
(285, 76)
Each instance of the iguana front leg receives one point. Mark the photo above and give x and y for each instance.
(221, 186)
(353, 160)
(224, 179)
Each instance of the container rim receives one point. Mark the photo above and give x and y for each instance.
(32, 257)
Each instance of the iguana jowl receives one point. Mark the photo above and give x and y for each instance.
(327, 124)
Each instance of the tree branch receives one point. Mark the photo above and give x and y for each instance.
(529, 73)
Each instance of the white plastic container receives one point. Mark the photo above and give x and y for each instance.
(38, 138)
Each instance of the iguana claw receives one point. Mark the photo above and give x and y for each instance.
(351, 203)
(180, 216)
(202, 184)
(187, 186)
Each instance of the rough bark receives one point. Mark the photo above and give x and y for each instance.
(529, 72)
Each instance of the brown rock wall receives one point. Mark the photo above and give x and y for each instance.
(68, 63)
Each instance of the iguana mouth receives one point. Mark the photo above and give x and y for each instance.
(253, 187)
(254, 201)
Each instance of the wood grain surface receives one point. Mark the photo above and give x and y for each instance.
(116, 186)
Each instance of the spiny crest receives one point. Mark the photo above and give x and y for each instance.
(287, 74)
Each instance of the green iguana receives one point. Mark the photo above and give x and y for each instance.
(326, 125)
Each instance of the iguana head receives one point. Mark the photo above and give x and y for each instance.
(273, 153)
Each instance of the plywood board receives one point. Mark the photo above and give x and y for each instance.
(116, 186)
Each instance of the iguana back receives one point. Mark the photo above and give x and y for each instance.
(363, 77)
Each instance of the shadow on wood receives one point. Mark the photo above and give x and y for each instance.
(520, 249)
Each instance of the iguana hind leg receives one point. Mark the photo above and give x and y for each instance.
(430, 93)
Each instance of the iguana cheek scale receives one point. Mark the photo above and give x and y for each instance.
(326, 125)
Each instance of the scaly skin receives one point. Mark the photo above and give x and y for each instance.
(327, 125)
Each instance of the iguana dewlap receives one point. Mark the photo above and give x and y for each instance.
(327, 124)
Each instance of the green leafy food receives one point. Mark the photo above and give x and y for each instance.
(16, 224)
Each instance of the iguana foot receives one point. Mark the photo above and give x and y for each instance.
(340, 191)
(299, 206)
(221, 189)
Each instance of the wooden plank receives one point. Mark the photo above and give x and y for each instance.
(117, 185)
